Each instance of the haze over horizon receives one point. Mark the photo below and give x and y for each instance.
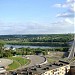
(36, 16)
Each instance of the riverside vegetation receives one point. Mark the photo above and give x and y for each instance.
(59, 41)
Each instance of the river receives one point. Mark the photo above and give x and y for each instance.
(20, 46)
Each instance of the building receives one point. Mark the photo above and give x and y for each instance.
(72, 70)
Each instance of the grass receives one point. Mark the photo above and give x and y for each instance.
(13, 66)
(51, 60)
(21, 60)
(17, 62)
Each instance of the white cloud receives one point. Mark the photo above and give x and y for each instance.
(70, 0)
(66, 22)
(58, 5)
(36, 28)
(65, 15)
(69, 21)
(64, 25)
(69, 4)
(73, 7)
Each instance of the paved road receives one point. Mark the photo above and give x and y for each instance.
(5, 62)
(35, 59)
(72, 51)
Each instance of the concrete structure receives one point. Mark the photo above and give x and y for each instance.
(71, 55)
(72, 51)
(72, 70)
(4, 64)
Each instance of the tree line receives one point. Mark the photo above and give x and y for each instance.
(28, 51)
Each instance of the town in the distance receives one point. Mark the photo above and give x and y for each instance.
(37, 54)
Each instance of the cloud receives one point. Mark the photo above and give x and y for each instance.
(65, 15)
(61, 5)
(58, 5)
(72, 9)
(69, 21)
(69, 5)
(64, 22)
(65, 25)
(24, 28)
(35, 28)
(70, 0)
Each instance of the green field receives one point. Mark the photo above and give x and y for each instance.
(13, 66)
(17, 62)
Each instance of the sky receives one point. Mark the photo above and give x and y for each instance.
(36, 16)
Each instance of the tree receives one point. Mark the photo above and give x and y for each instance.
(7, 54)
(1, 49)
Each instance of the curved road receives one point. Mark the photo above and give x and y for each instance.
(5, 62)
(35, 59)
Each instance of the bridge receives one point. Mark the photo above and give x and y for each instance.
(72, 51)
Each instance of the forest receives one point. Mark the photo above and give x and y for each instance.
(38, 40)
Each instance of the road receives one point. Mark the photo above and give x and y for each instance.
(5, 62)
(35, 59)
(72, 51)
